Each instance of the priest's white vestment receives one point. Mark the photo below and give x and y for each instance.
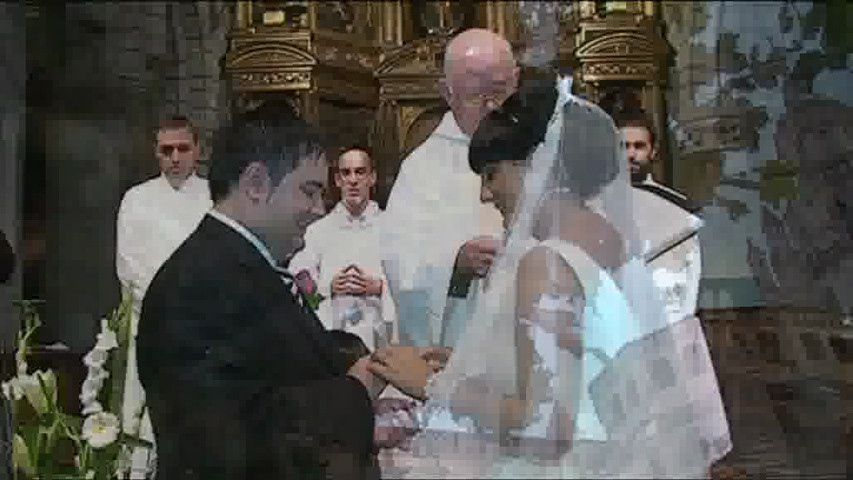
(433, 209)
(153, 220)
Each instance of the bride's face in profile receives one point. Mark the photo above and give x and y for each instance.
(501, 185)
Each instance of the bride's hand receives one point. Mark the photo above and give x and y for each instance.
(436, 357)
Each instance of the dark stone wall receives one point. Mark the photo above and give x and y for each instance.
(107, 72)
(12, 108)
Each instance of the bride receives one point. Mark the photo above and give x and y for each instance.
(569, 368)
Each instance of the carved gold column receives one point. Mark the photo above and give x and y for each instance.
(243, 12)
(500, 17)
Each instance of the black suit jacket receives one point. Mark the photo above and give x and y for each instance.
(241, 381)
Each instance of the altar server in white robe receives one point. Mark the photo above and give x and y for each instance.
(154, 218)
(438, 237)
(342, 254)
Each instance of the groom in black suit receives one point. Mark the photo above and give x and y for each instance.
(240, 378)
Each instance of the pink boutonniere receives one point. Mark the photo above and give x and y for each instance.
(308, 287)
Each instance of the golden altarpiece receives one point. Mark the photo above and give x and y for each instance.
(369, 71)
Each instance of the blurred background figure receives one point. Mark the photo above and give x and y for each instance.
(342, 253)
(154, 218)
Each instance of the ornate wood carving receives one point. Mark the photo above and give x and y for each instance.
(618, 56)
(337, 85)
(269, 55)
(419, 125)
(418, 57)
(266, 81)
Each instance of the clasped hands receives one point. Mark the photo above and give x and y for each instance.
(408, 369)
(352, 280)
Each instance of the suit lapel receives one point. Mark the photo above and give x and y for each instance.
(272, 290)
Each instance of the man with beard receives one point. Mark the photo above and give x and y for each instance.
(641, 150)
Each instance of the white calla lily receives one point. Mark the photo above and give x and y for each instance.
(92, 407)
(31, 389)
(12, 389)
(107, 339)
(96, 358)
(100, 429)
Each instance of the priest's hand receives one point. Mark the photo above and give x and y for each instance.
(475, 257)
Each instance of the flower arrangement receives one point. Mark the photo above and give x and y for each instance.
(49, 443)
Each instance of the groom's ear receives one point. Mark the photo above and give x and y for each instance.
(255, 182)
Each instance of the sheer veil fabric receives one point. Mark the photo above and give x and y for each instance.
(649, 390)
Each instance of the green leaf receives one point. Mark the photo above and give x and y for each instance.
(36, 396)
(22, 457)
(73, 422)
(313, 300)
(30, 436)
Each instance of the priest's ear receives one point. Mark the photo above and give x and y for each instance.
(444, 89)
(255, 183)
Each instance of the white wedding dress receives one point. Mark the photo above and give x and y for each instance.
(449, 446)
(639, 395)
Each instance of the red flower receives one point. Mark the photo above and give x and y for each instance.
(305, 283)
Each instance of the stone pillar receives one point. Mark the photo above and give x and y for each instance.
(91, 135)
(119, 67)
(12, 110)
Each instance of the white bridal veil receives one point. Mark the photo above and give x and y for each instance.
(651, 391)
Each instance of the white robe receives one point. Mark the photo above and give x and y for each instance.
(433, 209)
(334, 242)
(153, 220)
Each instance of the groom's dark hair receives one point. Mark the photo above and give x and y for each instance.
(271, 134)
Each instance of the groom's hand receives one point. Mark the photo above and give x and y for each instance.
(404, 367)
(373, 383)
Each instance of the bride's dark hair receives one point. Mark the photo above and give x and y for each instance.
(514, 130)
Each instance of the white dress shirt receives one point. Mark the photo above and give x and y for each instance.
(334, 242)
(153, 220)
